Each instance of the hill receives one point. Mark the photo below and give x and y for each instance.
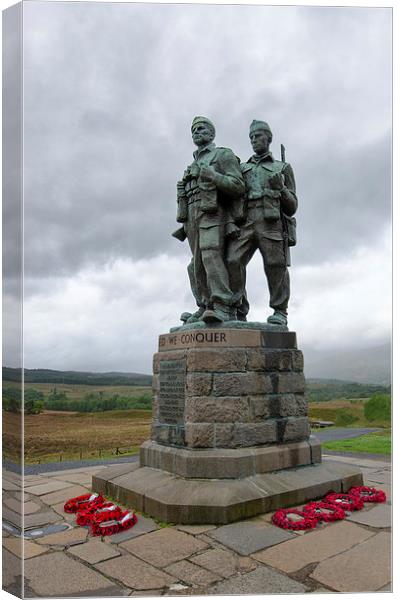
(368, 365)
(76, 377)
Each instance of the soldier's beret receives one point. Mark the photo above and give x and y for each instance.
(203, 120)
(255, 125)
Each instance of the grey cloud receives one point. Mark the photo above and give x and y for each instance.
(110, 91)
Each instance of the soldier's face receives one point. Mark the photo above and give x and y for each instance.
(260, 141)
(202, 134)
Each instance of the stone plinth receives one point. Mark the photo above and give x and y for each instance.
(230, 433)
(225, 388)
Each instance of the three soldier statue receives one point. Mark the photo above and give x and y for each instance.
(229, 210)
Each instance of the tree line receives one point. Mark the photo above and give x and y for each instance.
(35, 401)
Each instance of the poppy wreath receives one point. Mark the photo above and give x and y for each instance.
(82, 502)
(368, 494)
(324, 511)
(113, 521)
(85, 517)
(345, 501)
(281, 519)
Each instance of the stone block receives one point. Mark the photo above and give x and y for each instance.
(290, 383)
(199, 384)
(292, 429)
(262, 359)
(254, 434)
(241, 384)
(216, 359)
(199, 435)
(292, 405)
(263, 407)
(224, 435)
(169, 355)
(316, 449)
(297, 360)
(155, 384)
(212, 409)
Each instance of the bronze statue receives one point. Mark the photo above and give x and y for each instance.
(210, 206)
(270, 203)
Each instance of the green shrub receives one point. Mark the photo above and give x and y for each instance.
(345, 418)
(378, 408)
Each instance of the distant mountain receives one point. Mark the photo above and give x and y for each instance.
(370, 365)
(76, 377)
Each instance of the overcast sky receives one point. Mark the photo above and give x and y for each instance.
(110, 93)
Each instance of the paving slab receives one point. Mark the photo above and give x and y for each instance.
(195, 529)
(143, 525)
(246, 537)
(8, 486)
(261, 581)
(315, 546)
(26, 508)
(163, 547)
(11, 571)
(41, 518)
(78, 535)
(365, 568)
(47, 488)
(192, 574)
(67, 577)
(134, 573)
(94, 551)
(12, 517)
(30, 549)
(379, 477)
(141, 593)
(380, 515)
(65, 494)
(68, 517)
(77, 478)
(223, 562)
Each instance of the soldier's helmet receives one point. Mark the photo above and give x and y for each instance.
(203, 120)
(256, 125)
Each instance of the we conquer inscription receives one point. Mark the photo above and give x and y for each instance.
(192, 338)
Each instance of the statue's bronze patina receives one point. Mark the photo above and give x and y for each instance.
(228, 211)
(209, 203)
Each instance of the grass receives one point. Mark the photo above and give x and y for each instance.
(336, 411)
(378, 442)
(78, 391)
(52, 436)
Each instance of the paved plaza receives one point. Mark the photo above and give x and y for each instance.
(248, 557)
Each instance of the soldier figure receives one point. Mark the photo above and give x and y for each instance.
(271, 202)
(209, 204)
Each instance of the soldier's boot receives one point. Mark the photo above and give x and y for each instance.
(278, 318)
(219, 314)
(187, 317)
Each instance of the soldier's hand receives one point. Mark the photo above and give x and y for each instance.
(277, 181)
(207, 174)
(180, 187)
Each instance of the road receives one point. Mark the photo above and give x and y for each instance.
(343, 433)
(325, 435)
